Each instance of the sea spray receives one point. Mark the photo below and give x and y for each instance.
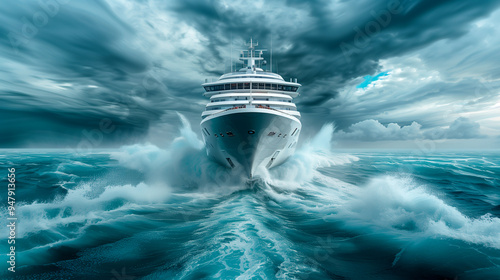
(402, 206)
(313, 154)
(183, 164)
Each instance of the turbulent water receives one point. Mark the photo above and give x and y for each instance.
(143, 212)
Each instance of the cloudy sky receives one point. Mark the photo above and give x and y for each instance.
(389, 74)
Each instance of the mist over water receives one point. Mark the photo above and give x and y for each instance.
(170, 213)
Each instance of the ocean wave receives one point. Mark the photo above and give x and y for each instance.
(402, 206)
(83, 205)
(192, 218)
(183, 164)
(315, 153)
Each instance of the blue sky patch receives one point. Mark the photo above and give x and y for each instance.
(370, 79)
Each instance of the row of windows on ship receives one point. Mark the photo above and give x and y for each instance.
(268, 76)
(251, 85)
(231, 134)
(246, 98)
(256, 106)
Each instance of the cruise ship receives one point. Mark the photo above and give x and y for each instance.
(251, 121)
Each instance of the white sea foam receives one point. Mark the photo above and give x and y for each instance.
(401, 206)
(182, 164)
(83, 205)
(313, 154)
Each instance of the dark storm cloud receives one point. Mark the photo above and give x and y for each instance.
(68, 65)
(70, 68)
(351, 47)
(73, 39)
(318, 99)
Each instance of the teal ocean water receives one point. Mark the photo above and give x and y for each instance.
(143, 212)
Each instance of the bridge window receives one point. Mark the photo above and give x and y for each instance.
(250, 85)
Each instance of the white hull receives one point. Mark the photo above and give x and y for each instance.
(245, 138)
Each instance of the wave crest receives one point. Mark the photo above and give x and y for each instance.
(399, 204)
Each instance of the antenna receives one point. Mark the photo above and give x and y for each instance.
(252, 56)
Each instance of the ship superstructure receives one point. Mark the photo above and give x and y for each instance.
(251, 120)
